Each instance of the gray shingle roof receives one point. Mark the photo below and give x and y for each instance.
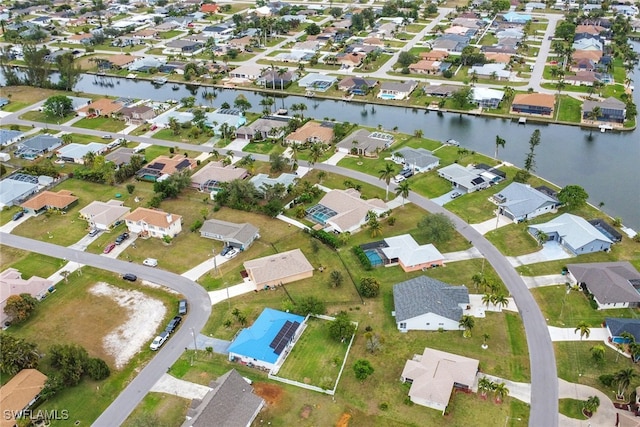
(617, 326)
(423, 295)
(521, 199)
(240, 233)
(609, 282)
(418, 156)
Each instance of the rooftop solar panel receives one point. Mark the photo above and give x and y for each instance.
(284, 336)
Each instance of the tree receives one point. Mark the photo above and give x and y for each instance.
(500, 300)
(69, 71)
(437, 228)
(534, 141)
(20, 307)
(485, 338)
(500, 142)
(584, 329)
(623, 378)
(466, 323)
(315, 153)
(341, 328)
(362, 369)
(70, 360)
(462, 97)
(278, 162)
(403, 190)
(375, 228)
(406, 58)
(242, 103)
(313, 29)
(573, 196)
(500, 390)
(487, 299)
(386, 174)
(369, 287)
(335, 278)
(591, 405)
(598, 352)
(17, 354)
(57, 106)
(97, 369)
(485, 385)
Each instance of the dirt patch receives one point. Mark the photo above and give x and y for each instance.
(144, 315)
(306, 411)
(344, 420)
(269, 392)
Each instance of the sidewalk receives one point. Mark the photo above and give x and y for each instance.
(291, 221)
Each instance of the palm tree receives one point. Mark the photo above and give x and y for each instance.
(623, 377)
(477, 279)
(215, 153)
(67, 138)
(634, 350)
(500, 391)
(541, 237)
(474, 78)
(386, 174)
(487, 299)
(485, 385)
(321, 175)
(593, 116)
(501, 300)
(590, 406)
(467, 323)
(403, 190)
(500, 142)
(485, 337)
(597, 352)
(302, 107)
(281, 72)
(584, 329)
(375, 227)
(315, 153)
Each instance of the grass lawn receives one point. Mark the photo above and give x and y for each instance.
(93, 317)
(38, 116)
(336, 181)
(316, 358)
(80, 138)
(183, 136)
(160, 409)
(450, 154)
(14, 106)
(429, 184)
(568, 309)
(34, 264)
(513, 240)
(26, 95)
(414, 28)
(569, 109)
(263, 147)
(106, 124)
(6, 214)
(170, 34)
(572, 408)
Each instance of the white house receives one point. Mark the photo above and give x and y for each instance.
(397, 90)
(417, 159)
(344, 210)
(521, 202)
(612, 284)
(102, 215)
(574, 233)
(75, 153)
(153, 223)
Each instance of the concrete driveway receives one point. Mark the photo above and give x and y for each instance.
(540, 281)
(570, 334)
(171, 385)
(446, 198)
(550, 251)
(219, 346)
(462, 255)
(492, 224)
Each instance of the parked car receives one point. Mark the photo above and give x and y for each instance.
(130, 277)
(182, 307)
(121, 238)
(232, 254)
(106, 136)
(173, 324)
(150, 262)
(93, 232)
(109, 248)
(407, 173)
(399, 178)
(159, 340)
(456, 194)
(226, 250)
(18, 215)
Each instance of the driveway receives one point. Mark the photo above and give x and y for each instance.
(540, 281)
(8, 227)
(492, 224)
(231, 291)
(550, 251)
(570, 334)
(604, 416)
(171, 385)
(219, 346)
(446, 198)
(462, 255)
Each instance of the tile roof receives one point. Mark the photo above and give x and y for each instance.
(216, 171)
(104, 212)
(16, 394)
(153, 217)
(103, 107)
(350, 208)
(535, 99)
(275, 267)
(49, 199)
(422, 295)
(314, 130)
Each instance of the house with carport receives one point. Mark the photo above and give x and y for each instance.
(612, 284)
(521, 202)
(574, 233)
(103, 215)
(467, 178)
(404, 251)
(344, 210)
(278, 269)
(19, 394)
(12, 283)
(48, 200)
(427, 304)
(146, 222)
(239, 236)
(434, 375)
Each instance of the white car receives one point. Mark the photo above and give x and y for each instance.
(232, 254)
(399, 178)
(159, 340)
(150, 262)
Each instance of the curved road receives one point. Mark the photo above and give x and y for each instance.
(199, 312)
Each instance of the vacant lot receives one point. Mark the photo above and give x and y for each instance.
(159, 409)
(316, 358)
(106, 124)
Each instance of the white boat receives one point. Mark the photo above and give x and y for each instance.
(131, 76)
(453, 142)
(605, 127)
(159, 80)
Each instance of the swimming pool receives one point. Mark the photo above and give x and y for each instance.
(620, 340)
(320, 213)
(387, 96)
(374, 257)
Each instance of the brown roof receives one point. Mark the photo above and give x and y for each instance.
(353, 58)
(19, 391)
(121, 60)
(434, 55)
(536, 99)
(279, 266)
(104, 106)
(170, 163)
(312, 130)
(500, 58)
(153, 217)
(594, 55)
(146, 32)
(373, 41)
(81, 36)
(589, 29)
(49, 199)
(424, 65)
(216, 171)
(209, 8)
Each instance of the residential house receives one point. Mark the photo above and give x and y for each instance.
(184, 47)
(12, 283)
(120, 156)
(265, 127)
(490, 71)
(247, 72)
(587, 44)
(19, 394)
(103, 215)
(147, 34)
(230, 402)
(397, 90)
(240, 43)
(278, 269)
(581, 78)
(612, 284)
(219, 32)
(460, 31)
(210, 177)
(616, 326)
(426, 304)
(366, 143)
(583, 64)
(541, 104)
(574, 233)
(426, 67)
(311, 132)
(473, 23)
(16, 188)
(498, 58)
(434, 375)
(611, 109)
(406, 252)
(138, 114)
(37, 146)
(276, 80)
(239, 236)
(351, 59)
(261, 181)
(486, 98)
(467, 178)
(345, 210)
(450, 43)
(516, 18)
(416, 159)
(144, 65)
(209, 8)
(357, 85)
(163, 166)
(48, 200)
(153, 223)
(266, 343)
(606, 229)
(434, 55)
(233, 118)
(373, 41)
(116, 62)
(85, 38)
(76, 153)
(442, 91)
(317, 82)
(593, 55)
(104, 107)
(521, 202)
(8, 137)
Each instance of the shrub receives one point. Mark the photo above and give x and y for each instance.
(607, 380)
(364, 259)
(326, 238)
(196, 226)
(97, 369)
(369, 287)
(362, 369)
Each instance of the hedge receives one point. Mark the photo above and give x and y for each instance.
(364, 259)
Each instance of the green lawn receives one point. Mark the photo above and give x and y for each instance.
(38, 116)
(572, 408)
(159, 409)
(14, 106)
(316, 358)
(512, 240)
(106, 124)
(171, 34)
(569, 109)
(429, 184)
(183, 136)
(263, 147)
(36, 265)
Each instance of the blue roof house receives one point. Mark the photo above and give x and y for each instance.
(266, 343)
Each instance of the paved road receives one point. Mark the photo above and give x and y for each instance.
(199, 312)
(544, 379)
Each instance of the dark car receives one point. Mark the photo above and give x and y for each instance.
(407, 173)
(130, 277)
(173, 324)
(18, 215)
(225, 250)
(182, 307)
(121, 238)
